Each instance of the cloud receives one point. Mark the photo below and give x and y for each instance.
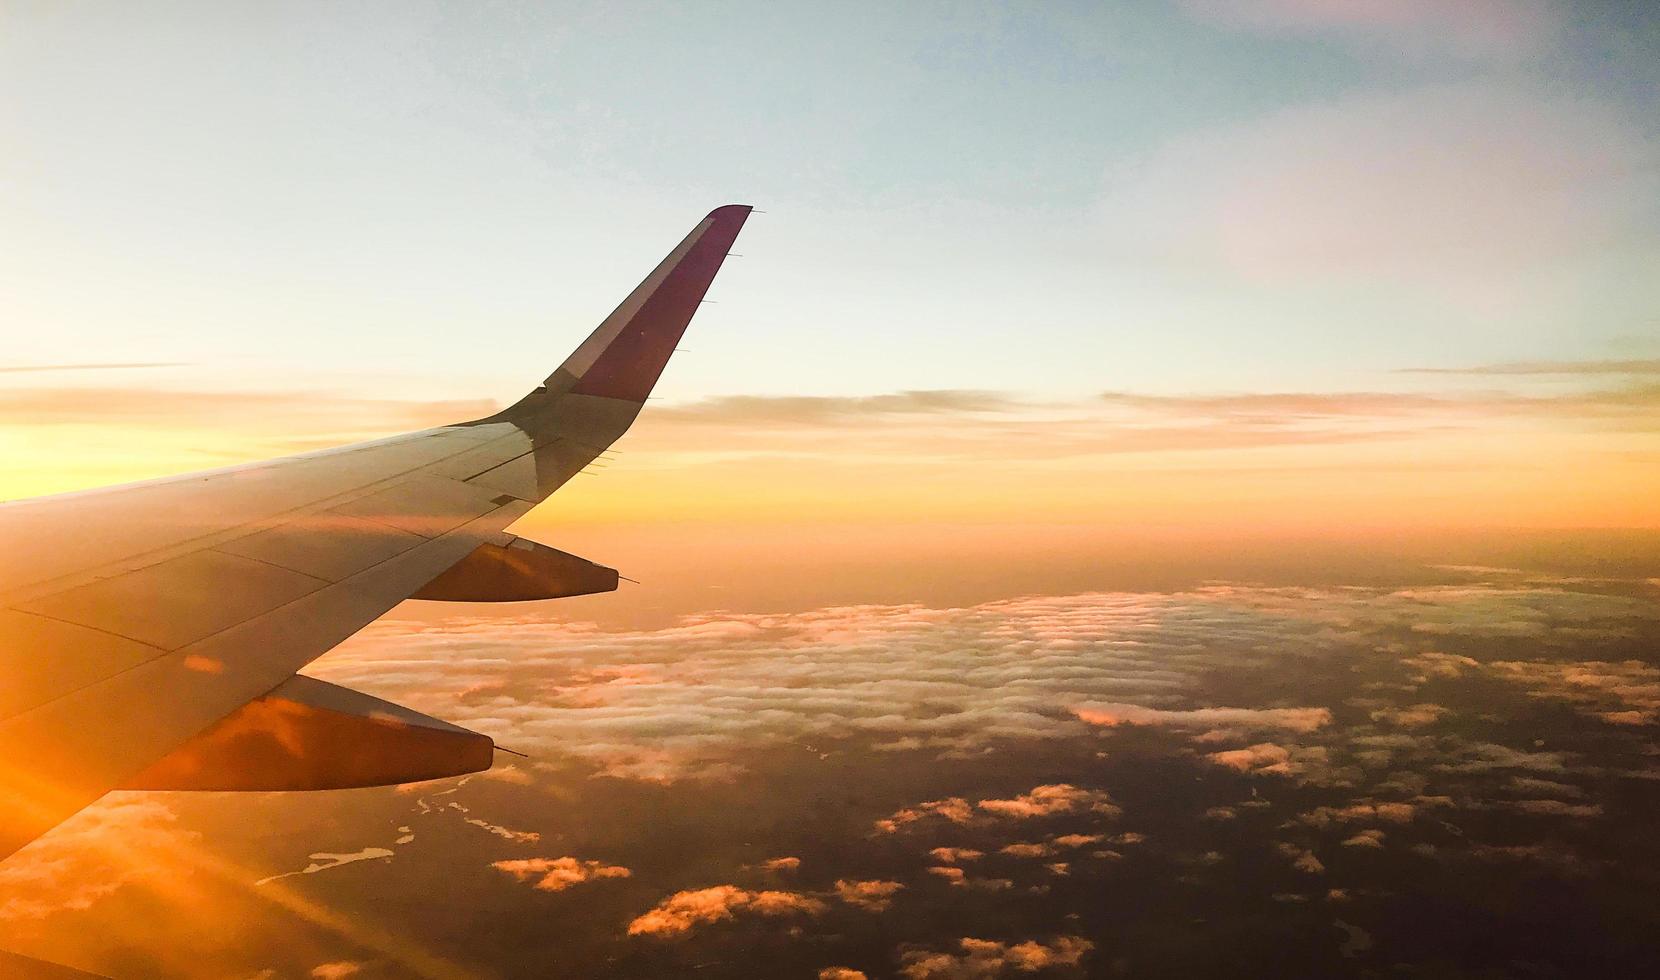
(1434, 664)
(1285, 407)
(1560, 859)
(1042, 801)
(1554, 808)
(841, 973)
(955, 809)
(1483, 30)
(677, 702)
(1545, 787)
(1454, 190)
(683, 911)
(558, 874)
(1302, 859)
(954, 426)
(1023, 850)
(1290, 719)
(695, 699)
(155, 406)
(508, 774)
(1263, 757)
(872, 896)
(1619, 692)
(984, 958)
(113, 366)
(127, 839)
(1550, 368)
(1491, 757)
(336, 971)
(801, 410)
(1364, 810)
(1291, 414)
(1411, 716)
(948, 427)
(782, 692)
(1052, 799)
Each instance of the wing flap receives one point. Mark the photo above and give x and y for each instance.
(177, 602)
(64, 657)
(327, 545)
(426, 505)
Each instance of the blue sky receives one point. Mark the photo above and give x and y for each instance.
(411, 199)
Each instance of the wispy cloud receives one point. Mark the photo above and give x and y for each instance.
(113, 366)
(1294, 719)
(1378, 188)
(751, 410)
(125, 839)
(1501, 30)
(690, 700)
(1549, 368)
(133, 406)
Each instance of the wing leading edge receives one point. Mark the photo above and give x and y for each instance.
(136, 623)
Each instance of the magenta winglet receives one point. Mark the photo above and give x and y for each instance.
(632, 361)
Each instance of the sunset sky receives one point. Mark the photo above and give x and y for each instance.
(1210, 264)
(1265, 392)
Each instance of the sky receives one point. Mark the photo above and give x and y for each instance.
(1194, 264)
(1164, 488)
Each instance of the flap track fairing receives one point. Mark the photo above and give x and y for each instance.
(309, 734)
(518, 571)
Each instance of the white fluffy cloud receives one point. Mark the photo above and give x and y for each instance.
(677, 702)
(699, 698)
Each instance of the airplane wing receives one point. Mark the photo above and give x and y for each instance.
(150, 634)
